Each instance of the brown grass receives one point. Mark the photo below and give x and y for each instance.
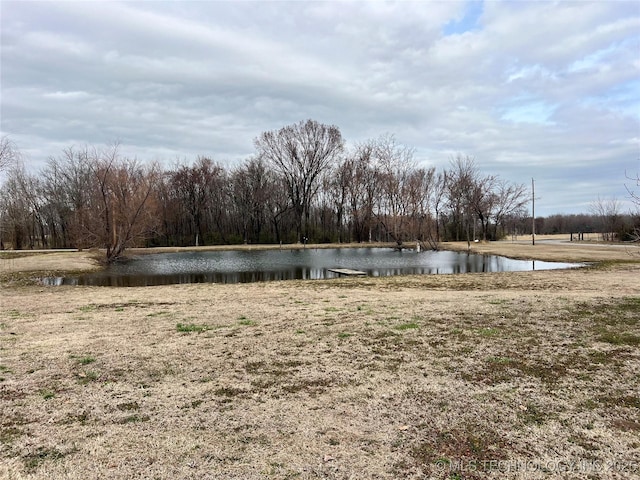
(506, 375)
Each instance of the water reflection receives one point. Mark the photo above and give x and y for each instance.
(267, 265)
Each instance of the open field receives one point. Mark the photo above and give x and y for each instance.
(503, 375)
(554, 250)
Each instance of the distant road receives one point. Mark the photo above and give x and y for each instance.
(553, 241)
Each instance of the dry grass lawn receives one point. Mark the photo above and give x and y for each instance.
(505, 375)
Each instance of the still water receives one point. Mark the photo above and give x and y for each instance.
(265, 265)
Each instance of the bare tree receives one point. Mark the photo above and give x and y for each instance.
(219, 196)
(14, 212)
(298, 185)
(420, 192)
(8, 153)
(68, 184)
(510, 201)
(193, 186)
(31, 191)
(474, 198)
(362, 190)
(635, 195)
(258, 200)
(121, 205)
(482, 201)
(336, 186)
(462, 181)
(608, 213)
(278, 205)
(169, 212)
(301, 153)
(22, 210)
(394, 165)
(439, 190)
(251, 187)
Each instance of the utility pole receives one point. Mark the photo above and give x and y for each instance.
(533, 212)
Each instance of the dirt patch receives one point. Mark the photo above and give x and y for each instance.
(506, 375)
(553, 249)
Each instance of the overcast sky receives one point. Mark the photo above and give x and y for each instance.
(540, 89)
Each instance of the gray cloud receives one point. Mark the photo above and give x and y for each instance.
(530, 89)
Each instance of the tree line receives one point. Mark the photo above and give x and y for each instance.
(301, 185)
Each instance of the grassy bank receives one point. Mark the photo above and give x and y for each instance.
(505, 375)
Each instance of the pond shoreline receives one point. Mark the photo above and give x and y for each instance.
(552, 248)
(249, 266)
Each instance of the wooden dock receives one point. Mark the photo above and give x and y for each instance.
(347, 271)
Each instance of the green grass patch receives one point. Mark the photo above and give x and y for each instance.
(229, 392)
(614, 358)
(465, 443)
(618, 399)
(407, 326)
(246, 322)
(500, 369)
(624, 311)
(47, 394)
(531, 414)
(135, 418)
(9, 434)
(128, 406)
(366, 309)
(344, 335)
(191, 327)
(613, 321)
(86, 360)
(498, 301)
(33, 461)
(87, 377)
(618, 338)
(489, 332)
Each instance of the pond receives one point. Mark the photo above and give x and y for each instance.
(264, 265)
